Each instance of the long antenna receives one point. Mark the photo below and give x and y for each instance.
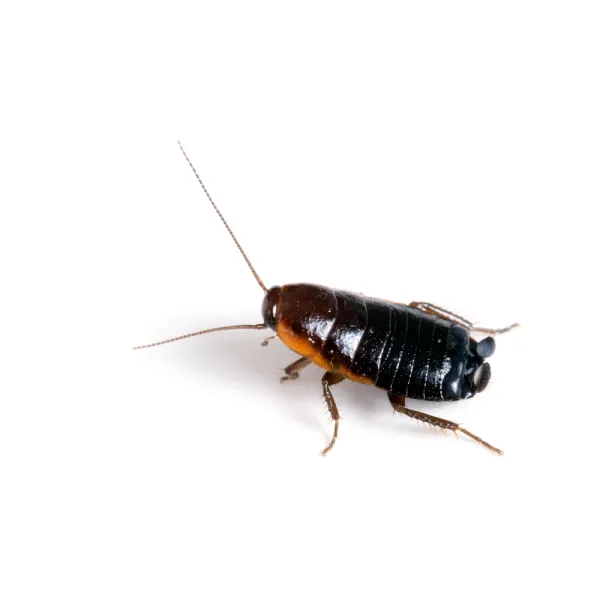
(262, 285)
(189, 335)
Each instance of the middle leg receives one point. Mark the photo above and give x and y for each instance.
(398, 402)
(328, 380)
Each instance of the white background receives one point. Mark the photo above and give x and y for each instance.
(439, 151)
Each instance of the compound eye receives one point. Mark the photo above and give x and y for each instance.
(269, 307)
(482, 377)
(485, 348)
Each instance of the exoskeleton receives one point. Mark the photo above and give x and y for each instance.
(417, 351)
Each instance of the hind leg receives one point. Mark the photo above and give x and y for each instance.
(432, 309)
(398, 402)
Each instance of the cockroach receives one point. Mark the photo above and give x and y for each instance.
(415, 350)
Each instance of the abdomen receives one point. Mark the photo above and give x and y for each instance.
(392, 346)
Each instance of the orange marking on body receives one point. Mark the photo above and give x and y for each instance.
(354, 376)
(301, 345)
(293, 341)
(320, 361)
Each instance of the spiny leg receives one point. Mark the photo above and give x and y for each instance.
(292, 371)
(398, 402)
(432, 309)
(328, 380)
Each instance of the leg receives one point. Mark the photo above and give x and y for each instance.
(292, 371)
(398, 403)
(493, 331)
(266, 341)
(328, 380)
(432, 309)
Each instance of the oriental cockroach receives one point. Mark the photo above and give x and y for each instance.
(415, 350)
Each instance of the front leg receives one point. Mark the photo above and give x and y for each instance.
(293, 371)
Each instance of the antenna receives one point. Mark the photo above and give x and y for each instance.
(262, 285)
(189, 335)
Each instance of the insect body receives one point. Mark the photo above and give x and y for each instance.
(398, 348)
(418, 351)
